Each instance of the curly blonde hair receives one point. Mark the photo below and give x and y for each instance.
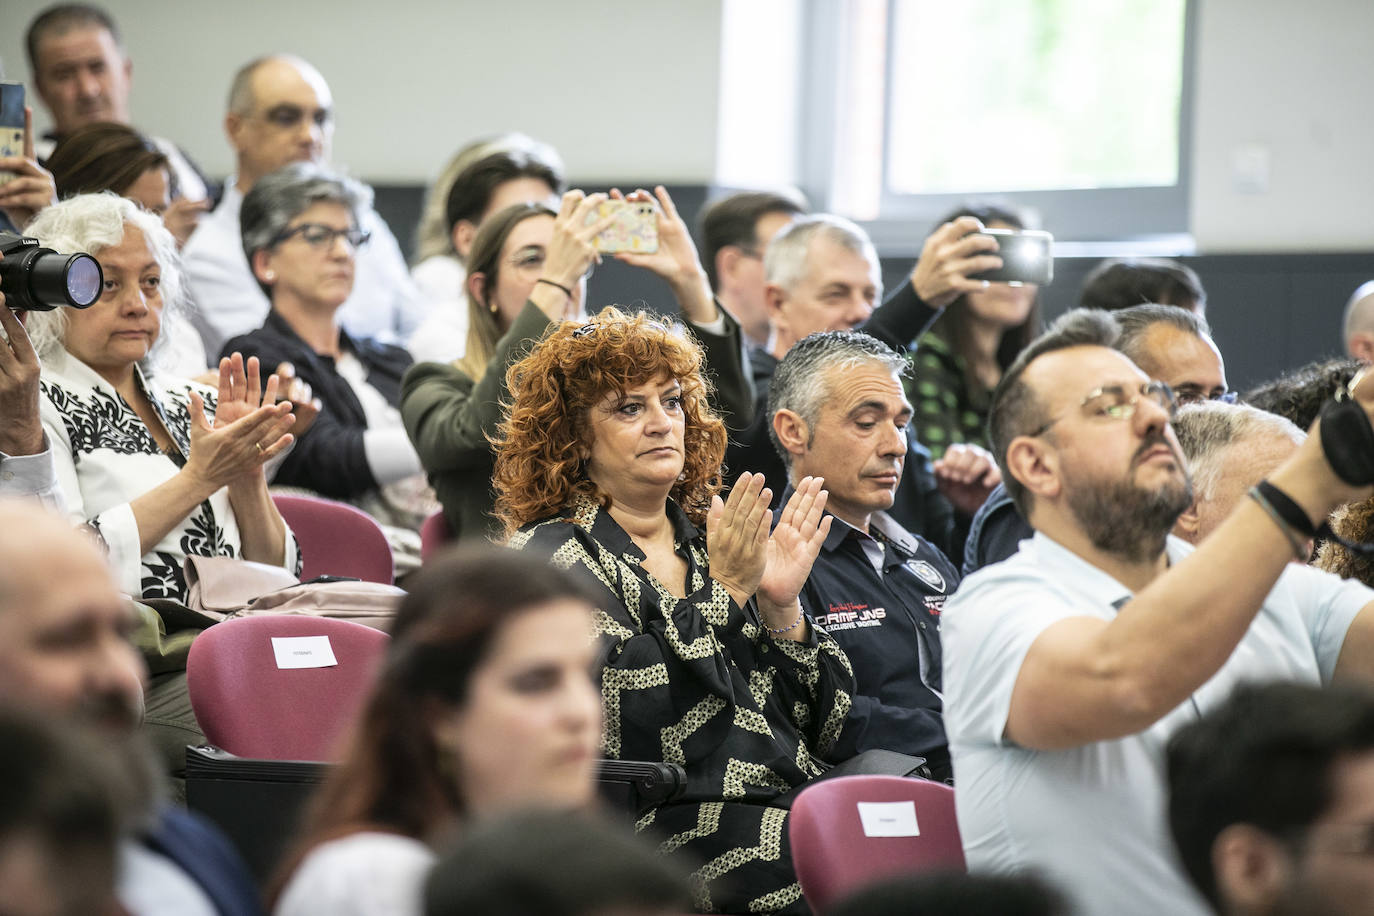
(572, 369)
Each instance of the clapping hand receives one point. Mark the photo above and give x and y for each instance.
(304, 404)
(737, 536)
(249, 429)
(792, 549)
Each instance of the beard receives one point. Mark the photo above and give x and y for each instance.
(1127, 520)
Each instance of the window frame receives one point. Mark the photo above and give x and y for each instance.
(1156, 216)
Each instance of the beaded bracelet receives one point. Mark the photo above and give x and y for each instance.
(801, 615)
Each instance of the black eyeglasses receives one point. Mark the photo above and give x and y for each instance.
(319, 235)
(1119, 402)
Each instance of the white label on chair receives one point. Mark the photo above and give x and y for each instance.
(889, 818)
(303, 652)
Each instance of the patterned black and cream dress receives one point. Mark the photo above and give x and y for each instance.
(699, 682)
(106, 458)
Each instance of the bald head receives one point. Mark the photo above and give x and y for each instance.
(64, 627)
(1359, 323)
(280, 111)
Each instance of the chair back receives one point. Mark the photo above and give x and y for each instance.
(336, 539)
(251, 702)
(435, 534)
(849, 831)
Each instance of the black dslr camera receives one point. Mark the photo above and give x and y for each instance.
(38, 279)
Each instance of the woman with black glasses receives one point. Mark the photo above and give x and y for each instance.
(300, 234)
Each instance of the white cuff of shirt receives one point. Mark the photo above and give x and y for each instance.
(390, 455)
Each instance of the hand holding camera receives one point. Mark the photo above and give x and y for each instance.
(963, 257)
(21, 432)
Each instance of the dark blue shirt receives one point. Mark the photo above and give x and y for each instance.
(888, 624)
(996, 533)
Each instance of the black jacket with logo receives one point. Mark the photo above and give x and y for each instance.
(885, 624)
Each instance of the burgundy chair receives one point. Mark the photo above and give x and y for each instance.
(435, 534)
(835, 852)
(337, 539)
(249, 706)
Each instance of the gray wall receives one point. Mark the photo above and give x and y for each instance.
(630, 91)
(624, 90)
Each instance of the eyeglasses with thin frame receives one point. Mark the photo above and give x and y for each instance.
(1117, 402)
(318, 235)
(1189, 393)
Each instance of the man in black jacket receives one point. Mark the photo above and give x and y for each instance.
(838, 412)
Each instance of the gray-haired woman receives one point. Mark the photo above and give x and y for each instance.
(158, 468)
(300, 233)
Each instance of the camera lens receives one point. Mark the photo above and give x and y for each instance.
(39, 279)
(84, 280)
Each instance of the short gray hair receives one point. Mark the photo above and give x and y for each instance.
(1208, 429)
(784, 263)
(276, 199)
(799, 382)
(92, 223)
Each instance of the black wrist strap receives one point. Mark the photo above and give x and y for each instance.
(1291, 513)
(1293, 516)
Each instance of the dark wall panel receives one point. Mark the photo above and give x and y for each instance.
(1269, 312)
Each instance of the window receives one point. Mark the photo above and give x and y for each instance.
(1076, 109)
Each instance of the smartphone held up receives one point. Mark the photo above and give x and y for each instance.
(11, 125)
(1027, 257)
(635, 228)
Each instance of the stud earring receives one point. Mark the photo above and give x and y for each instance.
(271, 275)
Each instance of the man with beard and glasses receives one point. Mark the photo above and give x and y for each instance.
(65, 654)
(1068, 667)
(1170, 344)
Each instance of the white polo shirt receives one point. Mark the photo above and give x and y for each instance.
(1093, 819)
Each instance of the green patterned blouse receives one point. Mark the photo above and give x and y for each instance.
(948, 407)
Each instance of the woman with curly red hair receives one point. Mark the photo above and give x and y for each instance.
(609, 461)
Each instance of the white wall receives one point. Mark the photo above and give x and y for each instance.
(1290, 82)
(623, 90)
